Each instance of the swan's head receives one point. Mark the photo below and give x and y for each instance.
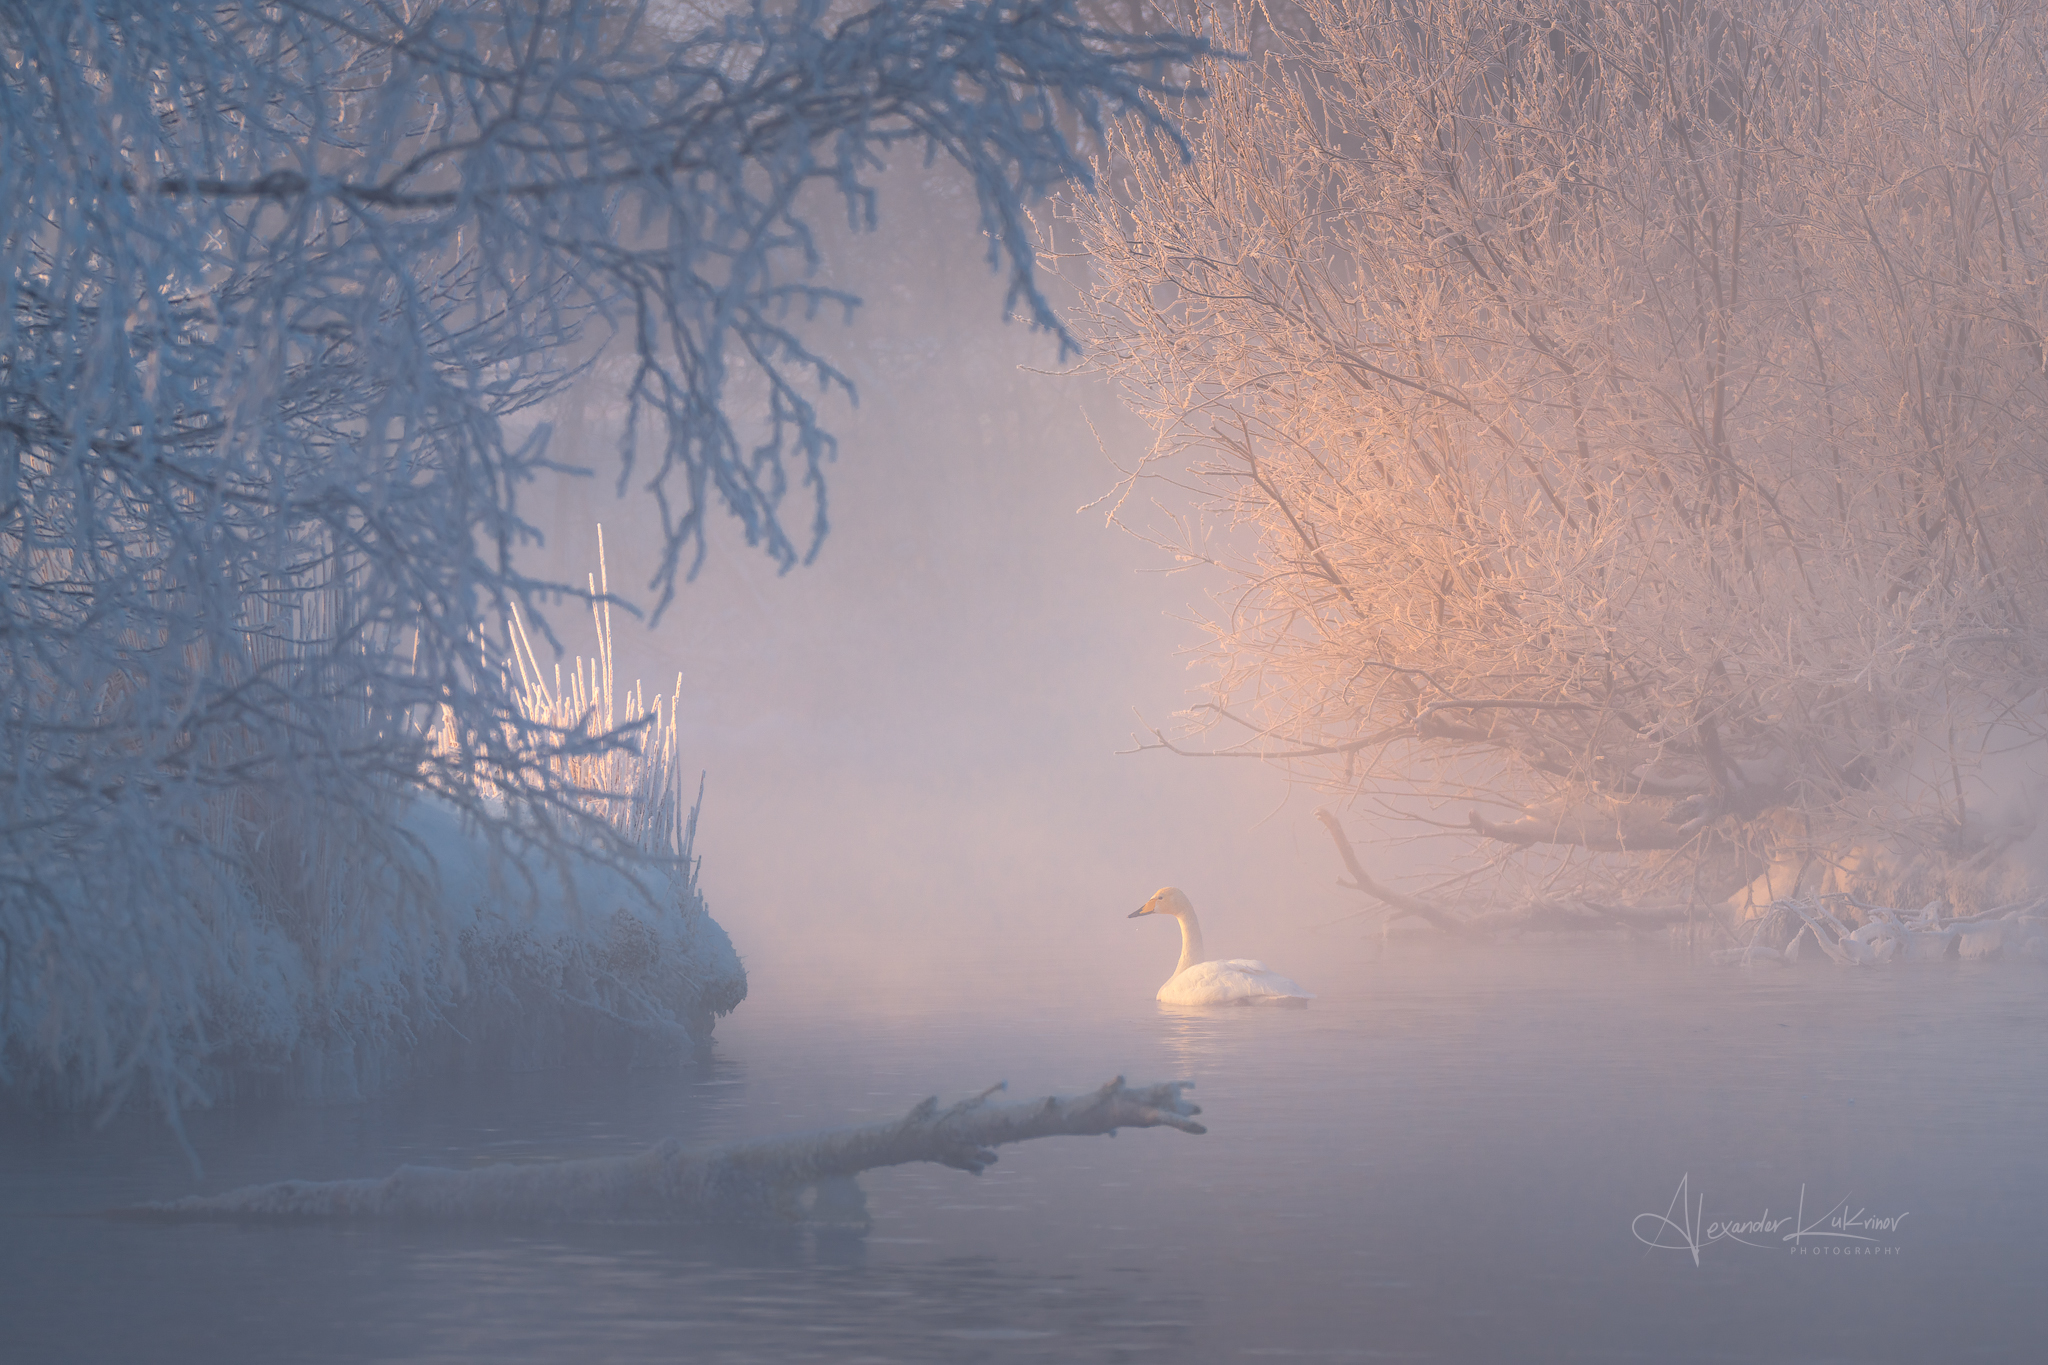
(1167, 900)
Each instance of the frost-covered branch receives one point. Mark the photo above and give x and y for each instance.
(742, 1180)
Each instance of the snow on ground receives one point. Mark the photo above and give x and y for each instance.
(522, 961)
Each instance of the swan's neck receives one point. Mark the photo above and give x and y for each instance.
(1190, 942)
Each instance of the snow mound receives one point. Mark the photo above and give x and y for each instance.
(336, 965)
(524, 960)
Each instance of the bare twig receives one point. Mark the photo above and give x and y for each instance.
(1404, 904)
(1549, 916)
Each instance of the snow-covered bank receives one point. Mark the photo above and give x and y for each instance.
(286, 943)
(533, 962)
(327, 973)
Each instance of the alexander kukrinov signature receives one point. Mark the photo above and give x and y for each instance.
(1840, 1231)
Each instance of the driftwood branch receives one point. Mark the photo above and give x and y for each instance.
(737, 1182)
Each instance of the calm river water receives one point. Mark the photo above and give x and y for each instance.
(1450, 1159)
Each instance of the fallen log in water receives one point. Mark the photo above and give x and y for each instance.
(737, 1182)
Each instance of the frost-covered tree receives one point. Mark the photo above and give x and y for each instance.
(283, 289)
(1621, 426)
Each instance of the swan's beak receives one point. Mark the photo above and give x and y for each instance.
(1135, 913)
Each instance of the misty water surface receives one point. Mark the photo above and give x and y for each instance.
(1442, 1159)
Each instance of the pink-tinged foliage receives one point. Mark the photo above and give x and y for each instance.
(1619, 430)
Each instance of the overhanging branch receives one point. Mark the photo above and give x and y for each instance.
(1544, 916)
(1407, 905)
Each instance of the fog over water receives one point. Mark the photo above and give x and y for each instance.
(1446, 1158)
(914, 789)
(919, 836)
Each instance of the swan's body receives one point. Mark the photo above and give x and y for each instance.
(1232, 981)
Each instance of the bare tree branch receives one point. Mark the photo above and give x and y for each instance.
(1551, 916)
(1405, 904)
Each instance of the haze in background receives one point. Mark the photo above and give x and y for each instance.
(913, 786)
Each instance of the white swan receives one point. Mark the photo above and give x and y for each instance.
(1235, 981)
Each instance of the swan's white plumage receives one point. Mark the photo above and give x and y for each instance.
(1235, 981)
(1230, 981)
